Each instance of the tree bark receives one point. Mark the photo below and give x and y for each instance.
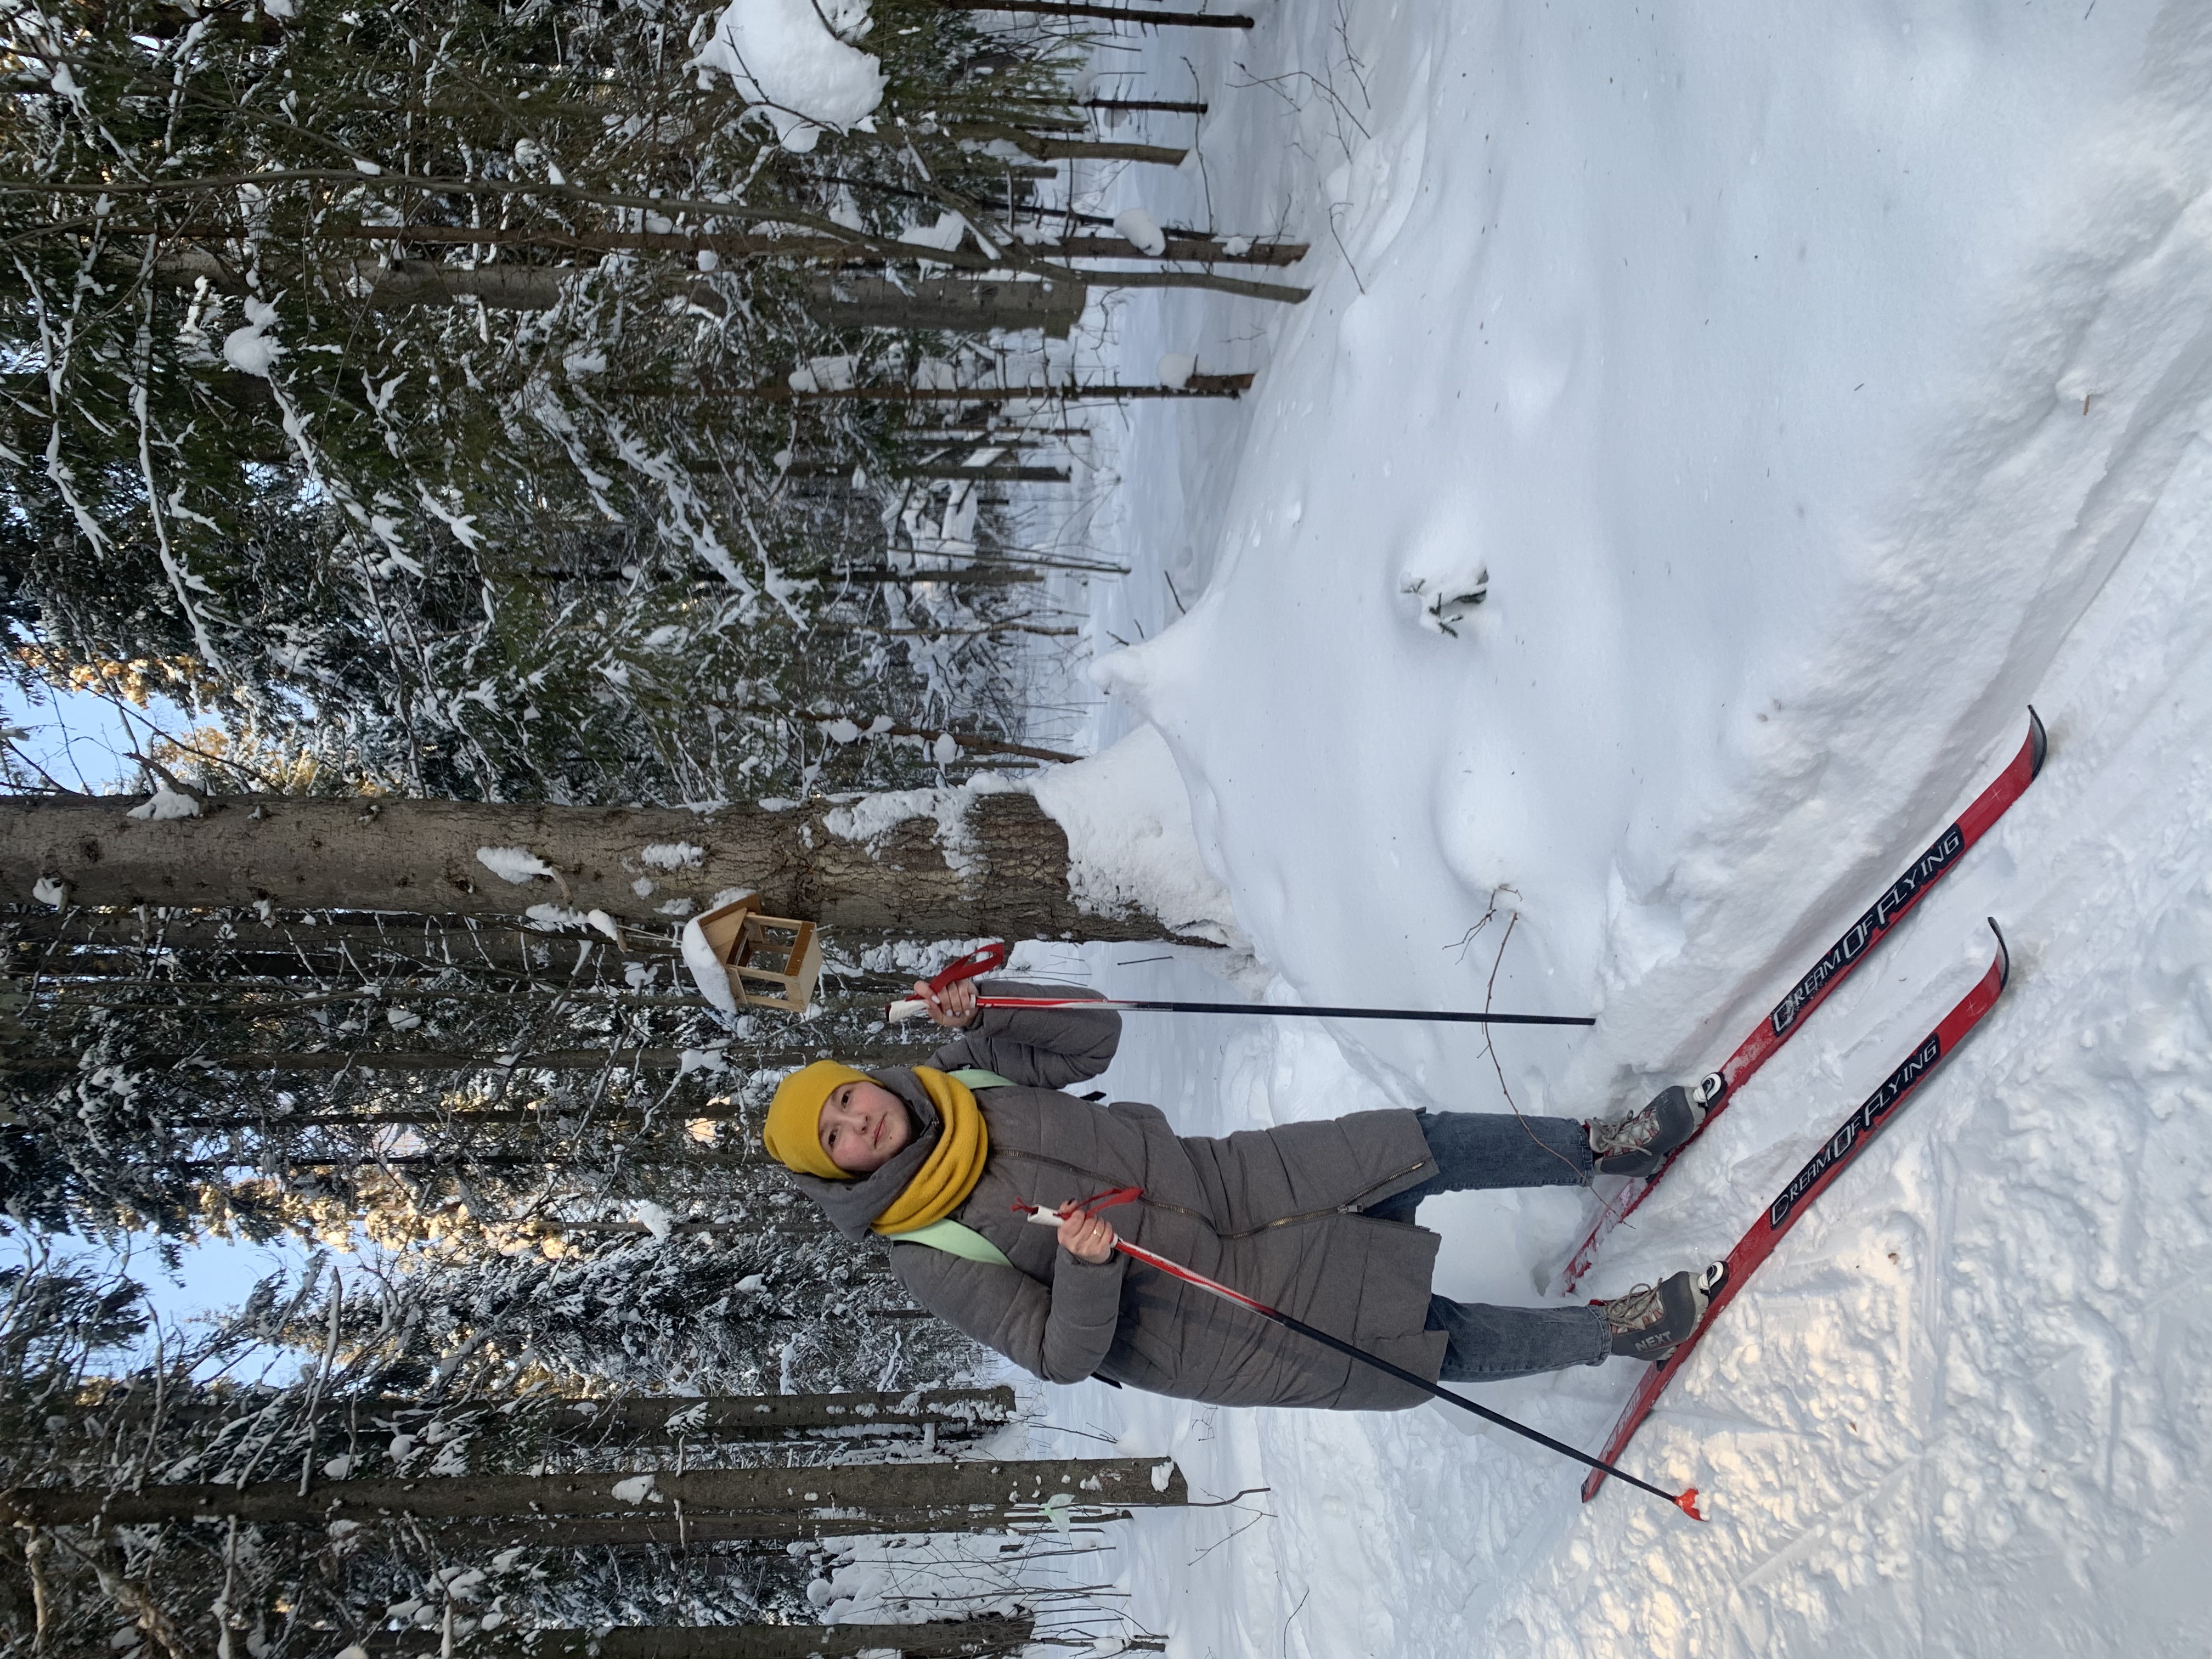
(1198, 386)
(663, 1530)
(992, 472)
(1141, 16)
(432, 1059)
(402, 282)
(444, 1117)
(1047, 149)
(989, 472)
(709, 1417)
(407, 283)
(293, 949)
(951, 1640)
(773, 1492)
(1192, 250)
(1002, 870)
(1197, 250)
(957, 305)
(725, 1416)
(975, 741)
(1169, 105)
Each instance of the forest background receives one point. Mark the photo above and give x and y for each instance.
(519, 475)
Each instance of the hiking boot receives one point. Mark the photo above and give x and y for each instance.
(1638, 1144)
(1652, 1320)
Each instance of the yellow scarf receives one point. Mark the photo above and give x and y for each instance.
(942, 1184)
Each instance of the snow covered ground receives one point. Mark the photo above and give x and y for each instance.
(1817, 388)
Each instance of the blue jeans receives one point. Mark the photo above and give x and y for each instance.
(1476, 1150)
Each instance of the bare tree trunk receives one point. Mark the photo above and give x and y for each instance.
(401, 282)
(877, 1489)
(988, 472)
(1046, 149)
(1198, 386)
(725, 1416)
(1142, 16)
(966, 576)
(995, 864)
(290, 947)
(976, 741)
(429, 1059)
(1199, 249)
(709, 1417)
(956, 304)
(950, 1640)
(1170, 105)
(1195, 250)
(406, 283)
(466, 1117)
(667, 1532)
(991, 472)
(663, 1530)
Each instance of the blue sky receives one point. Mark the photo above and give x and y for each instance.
(215, 1274)
(212, 1277)
(80, 741)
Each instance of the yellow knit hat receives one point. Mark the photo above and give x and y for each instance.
(793, 1130)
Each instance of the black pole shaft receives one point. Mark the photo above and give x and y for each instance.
(1462, 1400)
(1684, 1501)
(1353, 1013)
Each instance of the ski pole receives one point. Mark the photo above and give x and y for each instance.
(1686, 1501)
(908, 1007)
(993, 956)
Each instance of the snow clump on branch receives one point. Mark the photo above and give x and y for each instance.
(249, 350)
(1142, 232)
(792, 59)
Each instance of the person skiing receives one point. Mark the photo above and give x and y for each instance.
(1315, 1218)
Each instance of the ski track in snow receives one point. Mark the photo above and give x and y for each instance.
(1818, 390)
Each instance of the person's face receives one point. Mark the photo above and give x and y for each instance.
(863, 1126)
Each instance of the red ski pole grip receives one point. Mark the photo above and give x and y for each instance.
(974, 965)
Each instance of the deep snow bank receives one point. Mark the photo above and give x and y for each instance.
(1130, 844)
(1817, 390)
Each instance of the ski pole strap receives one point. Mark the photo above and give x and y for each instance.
(1109, 1199)
(1083, 1206)
(974, 965)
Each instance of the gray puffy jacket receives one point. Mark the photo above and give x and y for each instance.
(1272, 1213)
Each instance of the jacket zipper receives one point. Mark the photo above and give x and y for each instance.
(1350, 1207)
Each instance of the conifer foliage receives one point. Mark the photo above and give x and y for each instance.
(349, 354)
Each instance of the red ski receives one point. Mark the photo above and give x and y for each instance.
(1809, 1182)
(1833, 967)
